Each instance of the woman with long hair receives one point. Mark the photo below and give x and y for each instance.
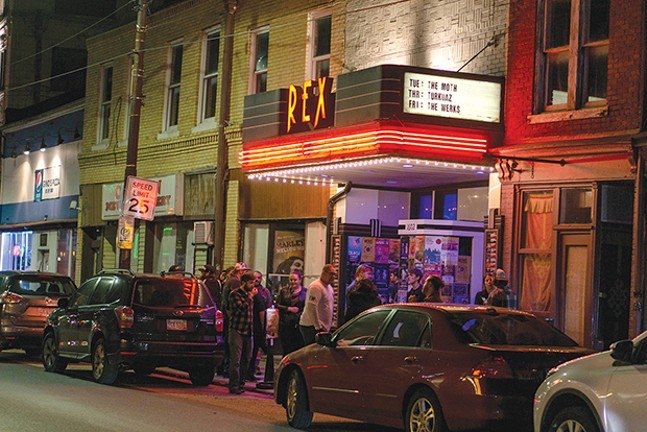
(290, 304)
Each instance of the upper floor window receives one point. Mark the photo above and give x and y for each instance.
(105, 98)
(575, 49)
(320, 45)
(211, 57)
(260, 47)
(173, 86)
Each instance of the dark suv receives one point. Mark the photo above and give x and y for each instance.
(26, 298)
(117, 320)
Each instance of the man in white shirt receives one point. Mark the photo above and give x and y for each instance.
(318, 310)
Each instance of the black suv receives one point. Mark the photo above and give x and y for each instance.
(26, 298)
(118, 320)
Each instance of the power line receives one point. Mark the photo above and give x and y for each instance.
(71, 37)
(235, 34)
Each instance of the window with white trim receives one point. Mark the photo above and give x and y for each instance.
(173, 87)
(575, 49)
(320, 31)
(105, 97)
(260, 48)
(209, 88)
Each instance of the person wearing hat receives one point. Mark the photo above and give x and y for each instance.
(501, 281)
(415, 293)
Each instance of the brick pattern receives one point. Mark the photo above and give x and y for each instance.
(442, 35)
(625, 78)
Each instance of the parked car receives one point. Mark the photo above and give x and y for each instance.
(26, 298)
(425, 366)
(604, 392)
(118, 320)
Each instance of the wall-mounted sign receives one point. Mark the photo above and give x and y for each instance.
(140, 198)
(458, 98)
(310, 106)
(47, 183)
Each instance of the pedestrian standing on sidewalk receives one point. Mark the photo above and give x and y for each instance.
(232, 283)
(240, 307)
(262, 301)
(290, 304)
(318, 311)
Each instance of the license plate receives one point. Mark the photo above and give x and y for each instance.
(176, 324)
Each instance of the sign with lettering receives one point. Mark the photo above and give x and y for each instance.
(125, 232)
(458, 98)
(310, 106)
(140, 198)
(47, 183)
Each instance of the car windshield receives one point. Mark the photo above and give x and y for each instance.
(38, 284)
(507, 329)
(171, 293)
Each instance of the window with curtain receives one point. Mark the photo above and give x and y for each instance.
(536, 251)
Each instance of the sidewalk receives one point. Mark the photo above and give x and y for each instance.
(224, 382)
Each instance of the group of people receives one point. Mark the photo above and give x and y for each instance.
(303, 312)
(244, 301)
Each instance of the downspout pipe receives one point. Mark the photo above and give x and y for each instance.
(331, 207)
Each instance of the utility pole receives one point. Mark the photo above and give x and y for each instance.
(222, 168)
(133, 131)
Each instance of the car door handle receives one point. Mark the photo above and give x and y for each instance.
(411, 360)
(356, 359)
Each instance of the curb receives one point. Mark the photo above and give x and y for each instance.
(217, 380)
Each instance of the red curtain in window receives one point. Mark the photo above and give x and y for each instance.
(535, 285)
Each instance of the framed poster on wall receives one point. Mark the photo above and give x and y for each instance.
(492, 248)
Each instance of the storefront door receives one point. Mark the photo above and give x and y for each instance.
(574, 289)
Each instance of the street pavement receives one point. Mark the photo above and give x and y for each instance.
(260, 386)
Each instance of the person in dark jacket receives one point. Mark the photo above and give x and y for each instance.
(363, 296)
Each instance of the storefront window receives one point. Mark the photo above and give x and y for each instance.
(16, 250)
(536, 243)
(575, 205)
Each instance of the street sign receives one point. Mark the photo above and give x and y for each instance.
(140, 198)
(125, 232)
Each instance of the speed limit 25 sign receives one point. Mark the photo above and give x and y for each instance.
(140, 198)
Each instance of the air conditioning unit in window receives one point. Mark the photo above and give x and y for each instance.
(203, 232)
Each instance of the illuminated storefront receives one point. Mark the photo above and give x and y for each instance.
(398, 143)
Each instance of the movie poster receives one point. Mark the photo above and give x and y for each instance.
(368, 249)
(289, 251)
(381, 251)
(354, 249)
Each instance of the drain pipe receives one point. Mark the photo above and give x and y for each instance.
(331, 206)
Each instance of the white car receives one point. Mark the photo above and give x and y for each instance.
(603, 392)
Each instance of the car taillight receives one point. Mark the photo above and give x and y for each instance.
(125, 317)
(220, 321)
(10, 298)
(494, 367)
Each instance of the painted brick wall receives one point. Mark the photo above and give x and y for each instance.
(441, 35)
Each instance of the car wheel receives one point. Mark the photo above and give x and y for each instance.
(202, 375)
(424, 413)
(573, 419)
(102, 371)
(296, 404)
(51, 360)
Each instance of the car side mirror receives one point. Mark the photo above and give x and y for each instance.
(622, 350)
(63, 302)
(325, 339)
